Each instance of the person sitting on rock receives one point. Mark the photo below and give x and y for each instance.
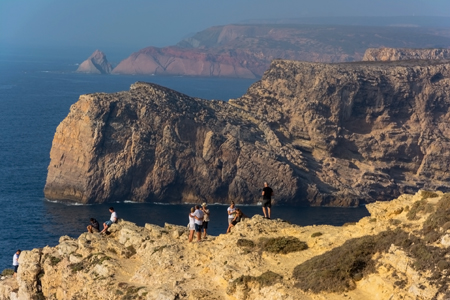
(94, 227)
(191, 224)
(112, 220)
(239, 216)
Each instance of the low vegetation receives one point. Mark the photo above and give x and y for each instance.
(7, 272)
(282, 245)
(267, 278)
(338, 270)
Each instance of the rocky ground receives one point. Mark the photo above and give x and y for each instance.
(401, 251)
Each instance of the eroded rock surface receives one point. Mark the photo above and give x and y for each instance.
(320, 134)
(389, 54)
(259, 259)
(95, 64)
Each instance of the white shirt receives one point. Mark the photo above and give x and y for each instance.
(232, 210)
(113, 217)
(191, 220)
(206, 215)
(199, 214)
(16, 259)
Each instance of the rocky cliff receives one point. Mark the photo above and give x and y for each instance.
(401, 251)
(247, 50)
(388, 54)
(95, 64)
(320, 134)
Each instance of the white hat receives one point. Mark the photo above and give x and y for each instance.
(204, 204)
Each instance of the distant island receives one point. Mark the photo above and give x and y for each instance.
(246, 50)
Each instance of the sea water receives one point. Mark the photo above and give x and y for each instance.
(36, 92)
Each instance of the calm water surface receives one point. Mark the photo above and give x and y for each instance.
(36, 92)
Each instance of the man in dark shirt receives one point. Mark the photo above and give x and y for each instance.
(94, 227)
(267, 194)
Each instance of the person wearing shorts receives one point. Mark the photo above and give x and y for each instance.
(205, 219)
(231, 212)
(16, 262)
(112, 220)
(198, 215)
(267, 194)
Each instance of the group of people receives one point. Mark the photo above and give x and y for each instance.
(199, 216)
(198, 220)
(95, 226)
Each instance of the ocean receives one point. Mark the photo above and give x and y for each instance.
(36, 92)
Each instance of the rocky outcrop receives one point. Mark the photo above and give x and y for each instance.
(320, 134)
(247, 50)
(389, 54)
(399, 252)
(95, 64)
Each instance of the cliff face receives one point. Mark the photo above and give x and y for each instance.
(95, 64)
(389, 54)
(320, 134)
(247, 50)
(399, 252)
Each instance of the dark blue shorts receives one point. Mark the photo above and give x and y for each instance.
(15, 269)
(198, 228)
(205, 225)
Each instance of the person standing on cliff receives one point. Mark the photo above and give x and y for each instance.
(267, 194)
(112, 220)
(16, 262)
(198, 215)
(205, 219)
(231, 212)
(191, 225)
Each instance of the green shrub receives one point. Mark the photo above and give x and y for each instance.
(245, 243)
(7, 272)
(315, 234)
(282, 245)
(428, 194)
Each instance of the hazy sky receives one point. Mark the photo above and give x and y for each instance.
(134, 24)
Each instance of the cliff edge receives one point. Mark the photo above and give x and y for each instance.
(320, 134)
(401, 251)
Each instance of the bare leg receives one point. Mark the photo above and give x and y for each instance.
(268, 210)
(229, 228)
(199, 236)
(204, 233)
(104, 227)
(191, 235)
(264, 211)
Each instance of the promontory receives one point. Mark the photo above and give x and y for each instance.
(321, 134)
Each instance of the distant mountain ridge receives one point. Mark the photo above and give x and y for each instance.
(246, 50)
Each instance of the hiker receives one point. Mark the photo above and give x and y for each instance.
(94, 226)
(231, 212)
(205, 219)
(191, 224)
(267, 194)
(239, 216)
(198, 216)
(16, 262)
(112, 220)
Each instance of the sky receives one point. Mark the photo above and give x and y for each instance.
(131, 25)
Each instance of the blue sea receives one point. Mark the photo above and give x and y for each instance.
(36, 92)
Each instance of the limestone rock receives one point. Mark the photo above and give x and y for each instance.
(239, 265)
(390, 54)
(95, 64)
(320, 134)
